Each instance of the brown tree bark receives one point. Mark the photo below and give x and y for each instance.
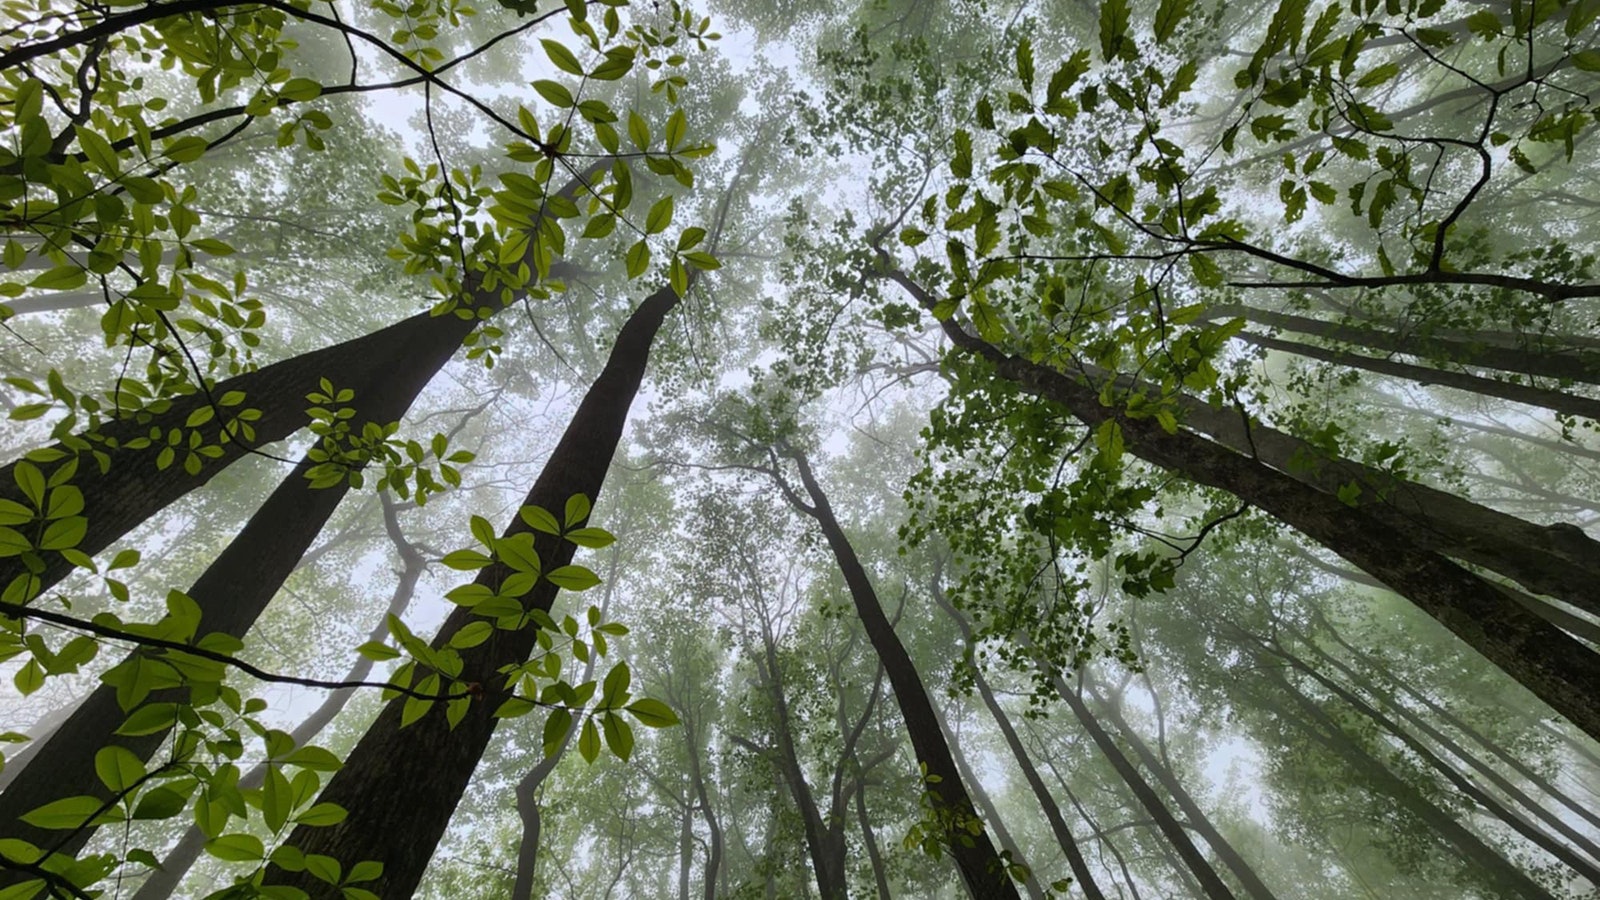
(1178, 839)
(163, 882)
(1546, 398)
(975, 856)
(1566, 363)
(401, 787)
(1500, 873)
(1556, 667)
(1111, 709)
(1030, 772)
(126, 488)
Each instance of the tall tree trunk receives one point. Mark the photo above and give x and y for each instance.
(527, 791)
(1210, 882)
(880, 877)
(232, 593)
(713, 827)
(1513, 819)
(981, 867)
(1019, 753)
(1506, 878)
(827, 856)
(131, 489)
(1549, 610)
(1561, 562)
(163, 882)
(401, 787)
(1547, 398)
(1565, 363)
(126, 487)
(980, 796)
(1197, 818)
(1553, 665)
(1510, 760)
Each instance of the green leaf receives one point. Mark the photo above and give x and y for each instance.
(593, 538)
(638, 259)
(1114, 19)
(466, 560)
(619, 736)
(160, 803)
(236, 848)
(562, 57)
(1025, 64)
(1587, 60)
(615, 690)
(61, 278)
(577, 509)
(652, 713)
(573, 578)
(300, 90)
(322, 814)
(149, 719)
(64, 814)
(1168, 14)
(677, 126)
(554, 92)
(98, 150)
(186, 149)
(377, 651)
(638, 130)
(539, 519)
(659, 217)
(29, 678)
(118, 768)
(556, 727)
(589, 742)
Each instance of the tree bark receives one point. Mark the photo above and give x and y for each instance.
(163, 882)
(126, 488)
(1505, 877)
(981, 867)
(1198, 820)
(1563, 563)
(1210, 882)
(1567, 364)
(401, 787)
(1556, 401)
(1030, 772)
(1514, 820)
(1553, 665)
(232, 593)
(880, 878)
(527, 791)
(980, 796)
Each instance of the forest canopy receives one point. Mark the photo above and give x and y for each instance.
(743, 449)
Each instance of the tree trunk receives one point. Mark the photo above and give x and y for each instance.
(1506, 878)
(1557, 668)
(879, 877)
(1200, 867)
(1563, 563)
(827, 853)
(527, 791)
(1041, 792)
(980, 796)
(981, 867)
(163, 882)
(1567, 364)
(1198, 820)
(232, 593)
(1514, 820)
(1509, 759)
(131, 489)
(401, 787)
(126, 487)
(1556, 401)
(1549, 610)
